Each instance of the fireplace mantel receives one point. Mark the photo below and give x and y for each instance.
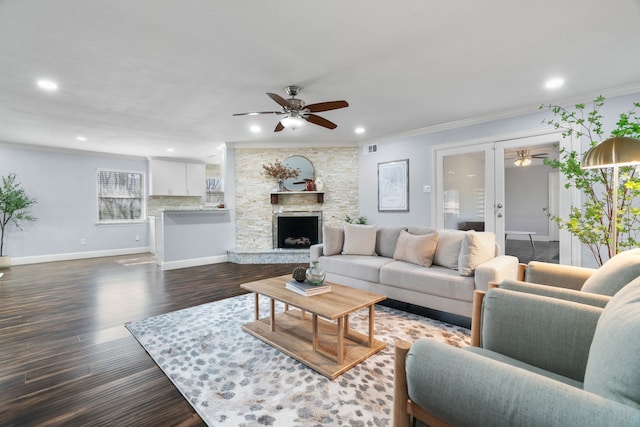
(274, 196)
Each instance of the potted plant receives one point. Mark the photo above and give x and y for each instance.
(592, 221)
(14, 209)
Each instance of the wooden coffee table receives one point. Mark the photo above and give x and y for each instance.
(323, 341)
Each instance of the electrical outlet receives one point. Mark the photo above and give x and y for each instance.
(83, 242)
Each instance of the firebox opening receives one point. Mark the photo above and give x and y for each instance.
(297, 232)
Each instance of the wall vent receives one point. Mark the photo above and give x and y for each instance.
(370, 149)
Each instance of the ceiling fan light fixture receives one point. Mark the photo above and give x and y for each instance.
(522, 162)
(523, 158)
(292, 122)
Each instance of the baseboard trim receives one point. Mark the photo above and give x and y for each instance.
(77, 255)
(193, 262)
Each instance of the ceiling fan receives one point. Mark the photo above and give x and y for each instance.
(524, 157)
(297, 111)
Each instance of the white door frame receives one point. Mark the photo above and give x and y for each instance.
(570, 247)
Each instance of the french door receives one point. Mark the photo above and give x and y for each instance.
(466, 189)
(470, 188)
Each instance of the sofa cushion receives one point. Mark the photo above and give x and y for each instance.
(613, 368)
(359, 239)
(448, 249)
(414, 229)
(416, 249)
(476, 248)
(332, 239)
(386, 239)
(435, 280)
(614, 274)
(362, 267)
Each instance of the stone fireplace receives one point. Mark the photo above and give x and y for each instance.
(254, 210)
(296, 229)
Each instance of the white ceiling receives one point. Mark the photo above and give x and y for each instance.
(139, 76)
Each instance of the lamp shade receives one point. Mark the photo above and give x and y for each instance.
(620, 151)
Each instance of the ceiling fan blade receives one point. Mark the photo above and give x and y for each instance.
(279, 127)
(255, 113)
(320, 121)
(541, 155)
(280, 100)
(326, 106)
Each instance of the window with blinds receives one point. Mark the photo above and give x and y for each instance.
(120, 196)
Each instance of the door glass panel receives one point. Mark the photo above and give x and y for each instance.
(464, 191)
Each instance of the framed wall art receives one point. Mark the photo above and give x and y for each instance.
(393, 186)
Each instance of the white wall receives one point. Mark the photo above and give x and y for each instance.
(526, 197)
(64, 185)
(417, 148)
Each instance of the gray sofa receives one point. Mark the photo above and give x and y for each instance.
(436, 269)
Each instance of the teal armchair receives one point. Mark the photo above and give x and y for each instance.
(540, 361)
(579, 284)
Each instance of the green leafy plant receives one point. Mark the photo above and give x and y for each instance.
(592, 222)
(14, 206)
(360, 220)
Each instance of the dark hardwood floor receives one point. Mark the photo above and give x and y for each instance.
(66, 358)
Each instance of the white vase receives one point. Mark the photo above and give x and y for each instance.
(319, 184)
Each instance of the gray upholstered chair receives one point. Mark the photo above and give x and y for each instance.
(580, 284)
(542, 361)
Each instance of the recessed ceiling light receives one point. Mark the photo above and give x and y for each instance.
(81, 138)
(48, 85)
(359, 130)
(554, 83)
(255, 129)
(171, 150)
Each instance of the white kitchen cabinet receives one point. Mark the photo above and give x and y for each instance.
(175, 178)
(196, 179)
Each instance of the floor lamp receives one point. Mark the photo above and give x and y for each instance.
(613, 152)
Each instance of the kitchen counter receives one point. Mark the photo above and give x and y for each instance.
(191, 237)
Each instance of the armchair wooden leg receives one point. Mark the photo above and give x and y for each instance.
(400, 392)
(476, 318)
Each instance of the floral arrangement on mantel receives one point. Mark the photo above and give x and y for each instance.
(279, 171)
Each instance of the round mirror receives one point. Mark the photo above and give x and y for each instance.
(306, 169)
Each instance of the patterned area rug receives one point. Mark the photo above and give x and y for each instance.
(234, 379)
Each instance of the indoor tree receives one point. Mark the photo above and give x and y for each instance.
(14, 206)
(591, 222)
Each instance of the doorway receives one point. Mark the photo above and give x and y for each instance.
(531, 195)
(479, 184)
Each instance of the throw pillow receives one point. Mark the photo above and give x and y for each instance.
(476, 248)
(359, 239)
(614, 274)
(386, 240)
(332, 240)
(448, 249)
(613, 368)
(416, 249)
